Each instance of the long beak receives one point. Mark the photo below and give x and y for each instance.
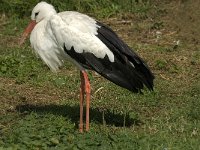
(27, 31)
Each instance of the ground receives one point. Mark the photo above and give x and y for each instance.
(40, 109)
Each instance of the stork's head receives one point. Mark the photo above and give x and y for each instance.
(40, 12)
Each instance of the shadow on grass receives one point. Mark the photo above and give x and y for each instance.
(72, 112)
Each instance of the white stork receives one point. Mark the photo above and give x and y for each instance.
(89, 44)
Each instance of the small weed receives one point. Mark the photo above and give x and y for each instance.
(174, 68)
(161, 64)
(157, 25)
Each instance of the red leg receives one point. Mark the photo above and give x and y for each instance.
(87, 91)
(81, 102)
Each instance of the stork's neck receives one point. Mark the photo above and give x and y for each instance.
(51, 13)
(43, 23)
(41, 32)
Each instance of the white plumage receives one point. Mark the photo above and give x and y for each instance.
(69, 28)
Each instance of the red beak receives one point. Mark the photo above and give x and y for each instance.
(27, 31)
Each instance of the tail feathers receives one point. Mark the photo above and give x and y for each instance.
(143, 71)
(136, 71)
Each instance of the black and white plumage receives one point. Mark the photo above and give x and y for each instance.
(127, 70)
(89, 44)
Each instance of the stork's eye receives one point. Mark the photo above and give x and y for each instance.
(36, 14)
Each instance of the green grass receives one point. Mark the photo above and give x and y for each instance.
(101, 8)
(40, 110)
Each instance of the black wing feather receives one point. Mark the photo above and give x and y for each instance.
(125, 54)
